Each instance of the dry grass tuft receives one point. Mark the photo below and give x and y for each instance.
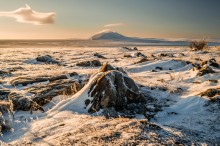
(198, 45)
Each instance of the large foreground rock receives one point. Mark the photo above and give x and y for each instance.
(113, 89)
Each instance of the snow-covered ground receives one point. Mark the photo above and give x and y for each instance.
(171, 80)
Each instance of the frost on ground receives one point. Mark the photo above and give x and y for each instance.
(180, 88)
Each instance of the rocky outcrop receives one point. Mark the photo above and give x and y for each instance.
(30, 80)
(92, 63)
(45, 93)
(113, 89)
(47, 59)
(20, 102)
(42, 94)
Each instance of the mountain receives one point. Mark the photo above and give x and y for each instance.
(109, 36)
(114, 36)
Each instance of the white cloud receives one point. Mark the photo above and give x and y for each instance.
(114, 25)
(27, 15)
(104, 30)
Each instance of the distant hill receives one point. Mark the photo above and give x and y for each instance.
(114, 36)
(109, 36)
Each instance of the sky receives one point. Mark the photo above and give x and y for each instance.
(69, 19)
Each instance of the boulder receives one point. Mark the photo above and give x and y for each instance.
(47, 59)
(20, 102)
(92, 63)
(113, 89)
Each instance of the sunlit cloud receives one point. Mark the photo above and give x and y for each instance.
(27, 15)
(114, 25)
(105, 30)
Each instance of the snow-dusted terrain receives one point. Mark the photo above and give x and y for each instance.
(168, 75)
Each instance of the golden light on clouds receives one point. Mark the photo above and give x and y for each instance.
(27, 15)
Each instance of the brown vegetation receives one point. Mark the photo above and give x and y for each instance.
(198, 45)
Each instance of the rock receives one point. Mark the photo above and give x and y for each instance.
(141, 61)
(127, 48)
(108, 67)
(210, 92)
(135, 54)
(154, 70)
(2, 122)
(158, 68)
(13, 69)
(139, 54)
(130, 49)
(23, 103)
(135, 48)
(4, 92)
(6, 109)
(127, 56)
(113, 89)
(30, 80)
(47, 59)
(27, 80)
(6, 106)
(45, 93)
(213, 81)
(205, 70)
(99, 55)
(212, 62)
(166, 55)
(4, 74)
(93, 63)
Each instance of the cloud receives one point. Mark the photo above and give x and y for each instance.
(114, 25)
(104, 30)
(27, 15)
